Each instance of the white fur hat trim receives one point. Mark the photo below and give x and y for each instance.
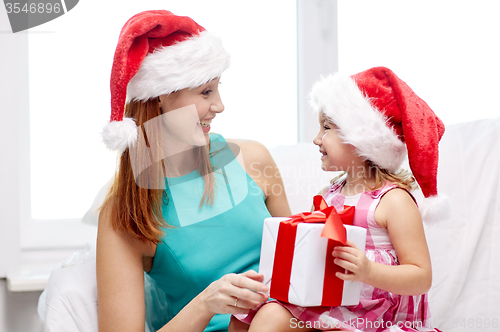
(118, 135)
(187, 64)
(359, 123)
(435, 208)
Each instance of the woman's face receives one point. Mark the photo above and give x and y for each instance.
(187, 113)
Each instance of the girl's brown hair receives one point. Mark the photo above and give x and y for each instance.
(403, 178)
(135, 200)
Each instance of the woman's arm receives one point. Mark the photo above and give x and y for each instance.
(120, 278)
(120, 287)
(259, 164)
(399, 214)
(219, 298)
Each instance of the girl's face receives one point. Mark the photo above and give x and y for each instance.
(335, 154)
(188, 113)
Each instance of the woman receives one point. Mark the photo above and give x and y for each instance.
(182, 208)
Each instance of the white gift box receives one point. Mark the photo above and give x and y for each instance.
(309, 260)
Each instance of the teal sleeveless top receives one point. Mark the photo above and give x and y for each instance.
(208, 242)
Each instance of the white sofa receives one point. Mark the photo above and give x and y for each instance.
(465, 252)
(465, 249)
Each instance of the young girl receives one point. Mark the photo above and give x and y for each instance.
(181, 207)
(364, 121)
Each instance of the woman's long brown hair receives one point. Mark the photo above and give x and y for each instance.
(135, 201)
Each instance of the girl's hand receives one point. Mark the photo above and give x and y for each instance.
(351, 258)
(220, 296)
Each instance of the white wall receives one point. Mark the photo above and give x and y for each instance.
(18, 311)
(13, 96)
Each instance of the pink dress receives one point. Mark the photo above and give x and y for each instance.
(377, 310)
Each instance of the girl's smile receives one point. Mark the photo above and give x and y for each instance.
(335, 154)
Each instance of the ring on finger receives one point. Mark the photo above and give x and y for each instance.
(236, 303)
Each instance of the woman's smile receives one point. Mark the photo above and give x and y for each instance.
(205, 125)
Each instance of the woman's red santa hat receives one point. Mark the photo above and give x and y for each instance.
(158, 53)
(384, 119)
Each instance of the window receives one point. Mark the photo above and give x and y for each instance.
(69, 66)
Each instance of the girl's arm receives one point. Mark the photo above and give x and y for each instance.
(120, 287)
(259, 164)
(399, 214)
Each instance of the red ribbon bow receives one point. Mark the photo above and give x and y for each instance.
(334, 230)
(334, 221)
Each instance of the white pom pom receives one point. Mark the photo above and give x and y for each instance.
(118, 135)
(435, 208)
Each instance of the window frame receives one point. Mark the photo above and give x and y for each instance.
(317, 55)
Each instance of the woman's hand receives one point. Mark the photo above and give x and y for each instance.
(235, 293)
(351, 258)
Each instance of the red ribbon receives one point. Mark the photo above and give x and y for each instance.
(334, 230)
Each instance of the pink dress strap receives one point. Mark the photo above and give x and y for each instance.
(366, 203)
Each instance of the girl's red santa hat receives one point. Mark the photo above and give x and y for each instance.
(385, 120)
(158, 53)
